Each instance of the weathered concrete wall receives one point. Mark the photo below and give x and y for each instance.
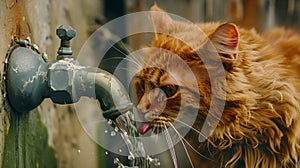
(51, 135)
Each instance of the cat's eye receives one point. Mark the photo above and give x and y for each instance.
(142, 85)
(170, 90)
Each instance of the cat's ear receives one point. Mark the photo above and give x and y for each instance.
(160, 20)
(226, 41)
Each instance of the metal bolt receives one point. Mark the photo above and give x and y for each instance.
(65, 32)
(60, 83)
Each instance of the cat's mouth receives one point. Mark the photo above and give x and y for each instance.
(156, 125)
(144, 128)
(145, 125)
(152, 121)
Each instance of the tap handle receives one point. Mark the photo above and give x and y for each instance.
(65, 33)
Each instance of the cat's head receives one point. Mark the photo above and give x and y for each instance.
(175, 75)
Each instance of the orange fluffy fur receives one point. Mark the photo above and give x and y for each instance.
(260, 123)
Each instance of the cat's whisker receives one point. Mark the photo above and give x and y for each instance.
(135, 61)
(175, 119)
(113, 46)
(143, 62)
(183, 139)
(121, 58)
(117, 49)
(171, 146)
(160, 129)
(137, 64)
(185, 124)
(153, 130)
(133, 58)
(125, 47)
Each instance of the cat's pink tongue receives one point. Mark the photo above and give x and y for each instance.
(144, 128)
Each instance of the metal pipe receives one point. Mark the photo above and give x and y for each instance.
(30, 79)
(106, 88)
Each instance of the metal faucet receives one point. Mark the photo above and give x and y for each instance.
(30, 79)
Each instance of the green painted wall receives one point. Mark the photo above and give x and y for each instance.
(26, 143)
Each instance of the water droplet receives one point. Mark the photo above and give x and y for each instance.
(105, 131)
(112, 133)
(130, 157)
(109, 122)
(156, 162)
(116, 161)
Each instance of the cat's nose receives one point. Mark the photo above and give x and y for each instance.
(143, 108)
(144, 104)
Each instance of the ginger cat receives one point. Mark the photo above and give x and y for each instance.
(259, 125)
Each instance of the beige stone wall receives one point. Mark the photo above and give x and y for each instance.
(38, 19)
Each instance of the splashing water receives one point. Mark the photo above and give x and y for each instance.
(120, 165)
(137, 155)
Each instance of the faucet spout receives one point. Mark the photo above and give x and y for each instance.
(110, 92)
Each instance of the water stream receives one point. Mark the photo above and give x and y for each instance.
(125, 124)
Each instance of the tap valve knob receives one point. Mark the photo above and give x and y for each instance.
(65, 33)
